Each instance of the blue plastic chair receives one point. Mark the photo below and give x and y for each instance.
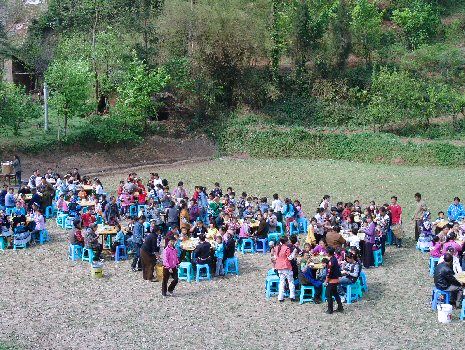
(84, 210)
(2, 243)
(433, 262)
(19, 245)
(248, 246)
(49, 212)
(279, 227)
(43, 237)
(273, 236)
(8, 210)
(231, 266)
(68, 223)
(354, 292)
(271, 286)
(199, 275)
(378, 257)
(261, 245)
(99, 219)
(146, 226)
(74, 252)
(141, 206)
(304, 297)
(133, 210)
(121, 253)
(60, 220)
(186, 272)
(437, 293)
(89, 257)
(363, 281)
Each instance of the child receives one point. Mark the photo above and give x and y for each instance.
(119, 239)
(311, 232)
(219, 254)
(435, 250)
(440, 222)
(244, 232)
(126, 200)
(320, 248)
(212, 231)
(170, 266)
(62, 206)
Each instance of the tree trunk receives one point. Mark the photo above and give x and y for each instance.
(94, 59)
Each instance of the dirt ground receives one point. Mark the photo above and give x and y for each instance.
(154, 150)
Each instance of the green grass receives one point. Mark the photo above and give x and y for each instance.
(309, 180)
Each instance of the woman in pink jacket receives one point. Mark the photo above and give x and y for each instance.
(283, 257)
(170, 266)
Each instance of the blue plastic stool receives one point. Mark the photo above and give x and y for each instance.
(68, 223)
(271, 286)
(49, 212)
(84, 210)
(74, 252)
(432, 265)
(279, 228)
(121, 253)
(60, 220)
(89, 256)
(231, 266)
(2, 243)
(146, 226)
(43, 237)
(462, 312)
(363, 281)
(141, 206)
(247, 246)
(133, 210)
(186, 272)
(199, 276)
(293, 229)
(8, 210)
(19, 246)
(99, 219)
(304, 297)
(354, 292)
(436, 294)
(302, 224)
(273, 237)
(264, 245)
(378, 257)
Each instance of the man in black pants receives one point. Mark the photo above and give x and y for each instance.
(332, 282)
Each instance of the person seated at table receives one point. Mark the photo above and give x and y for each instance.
(88, 218)
(198, 229)
(263, 228)
(18, 210)
(75, 235)
(73, 208)
(320, 249)
(36, 198)
(353, 239)
(184, 216)
(450, 242)
(99, 188)
(444, 279)
(436, 249)
(306, 278)
(5, 228)
(334, 239)
(62, 205)
(39, 221)
(10, 198)
(148, 252)
(21, 235)
(456, 262)
(91, 241)
(212, 231)
(111, 212)
(350, 272)
(244, 231)
(202, 252)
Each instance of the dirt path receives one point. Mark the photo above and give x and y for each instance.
(153, 151)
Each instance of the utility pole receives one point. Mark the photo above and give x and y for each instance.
(46, 106)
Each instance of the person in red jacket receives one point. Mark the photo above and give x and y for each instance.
(88, 218)
(282, 263)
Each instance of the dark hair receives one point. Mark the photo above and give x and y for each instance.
(337, 228)
(275, 196)
(217, 184)
(326, 196)
(244, 194)
(180, 183)
(435, 239)
(451, 236)
(330, 251)
(325, 260)
(441, 212)
(418, 195)
(202, 238)
(457, 199)
(448, 258)
(394, 197)
(142, 217)
(293, 239)
(283, 240)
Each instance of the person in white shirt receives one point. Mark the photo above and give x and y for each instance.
(277, 205)
(353, 239)
(326, 203)
(157, 180)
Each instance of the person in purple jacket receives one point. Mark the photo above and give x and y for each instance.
(370, 231)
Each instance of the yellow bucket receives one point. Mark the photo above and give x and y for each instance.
(97, 270)
(159, 271)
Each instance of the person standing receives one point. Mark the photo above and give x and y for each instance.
(396, 221)
(332, 282)
(137, 239)
(283, 256)
(17, 169)
(170, 266)
(418, 215)
(148, 256)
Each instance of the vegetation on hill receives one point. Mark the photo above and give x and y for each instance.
(382, 67)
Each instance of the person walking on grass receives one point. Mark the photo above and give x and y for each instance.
(170, 266)
(332, 282)
(420, 209)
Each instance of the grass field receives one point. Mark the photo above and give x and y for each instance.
(49, 302)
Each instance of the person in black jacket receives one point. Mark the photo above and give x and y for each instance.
(332, 282)
(444, 279)
(148, 254)
(229, 246)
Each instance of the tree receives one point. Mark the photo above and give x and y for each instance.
(71, 87)
(366, 28)
(16, 107)
(419, 23)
